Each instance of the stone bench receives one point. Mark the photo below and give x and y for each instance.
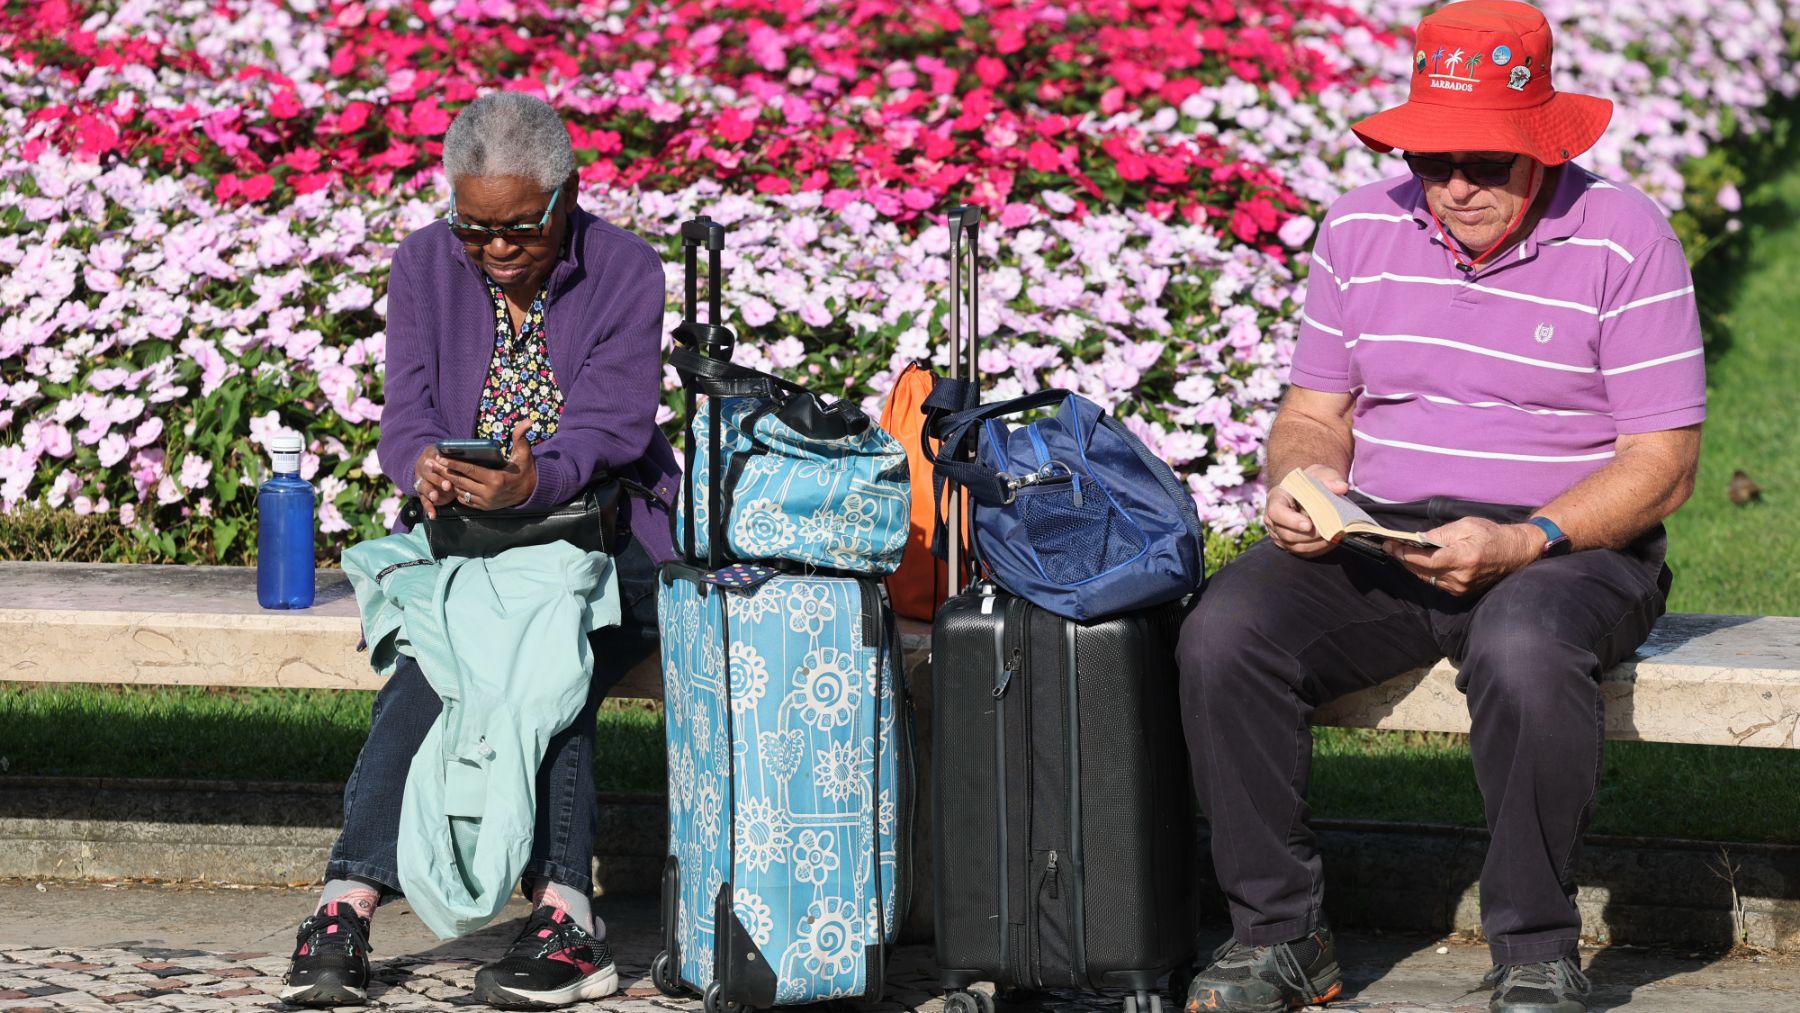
(1702, 679)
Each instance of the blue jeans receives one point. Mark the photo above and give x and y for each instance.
(567, 814)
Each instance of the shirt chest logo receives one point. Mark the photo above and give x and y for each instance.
(1544, 333)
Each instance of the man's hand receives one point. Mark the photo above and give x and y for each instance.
(1476, 552)
(495, 488)
(1288, 525)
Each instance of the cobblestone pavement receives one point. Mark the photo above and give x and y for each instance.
(188, 950)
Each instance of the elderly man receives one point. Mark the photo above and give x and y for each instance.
(1501, 350)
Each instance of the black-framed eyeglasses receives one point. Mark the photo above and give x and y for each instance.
(1433, 169)
(517, 235)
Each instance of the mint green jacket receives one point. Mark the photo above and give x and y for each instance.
(504, 643)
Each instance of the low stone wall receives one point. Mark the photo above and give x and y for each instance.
(1381, 876)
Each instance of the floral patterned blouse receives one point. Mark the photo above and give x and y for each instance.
(520, 383)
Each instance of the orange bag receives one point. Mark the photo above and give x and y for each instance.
(918, 587)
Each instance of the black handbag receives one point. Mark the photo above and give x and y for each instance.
(588, 522)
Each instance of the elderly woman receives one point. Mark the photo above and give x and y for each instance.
(522, 318)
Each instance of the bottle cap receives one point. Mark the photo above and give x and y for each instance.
(284, 453)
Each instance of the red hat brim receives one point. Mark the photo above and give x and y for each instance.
(1552, 133)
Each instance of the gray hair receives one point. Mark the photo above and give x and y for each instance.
(508, 133)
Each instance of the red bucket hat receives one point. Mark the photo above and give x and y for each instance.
(1481, 82)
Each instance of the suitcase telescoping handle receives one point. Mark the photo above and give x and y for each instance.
(714, 340)
(965, 219)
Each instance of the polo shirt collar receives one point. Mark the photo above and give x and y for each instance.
(1562, 218)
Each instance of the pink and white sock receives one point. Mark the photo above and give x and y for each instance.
(362, 897)
(571, 902)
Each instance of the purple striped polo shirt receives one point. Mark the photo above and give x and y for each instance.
(1511, 385)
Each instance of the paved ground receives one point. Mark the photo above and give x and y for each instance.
(167, 949)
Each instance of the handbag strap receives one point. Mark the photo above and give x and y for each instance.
(956, 461)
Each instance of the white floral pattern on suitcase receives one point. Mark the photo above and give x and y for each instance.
(813, 881)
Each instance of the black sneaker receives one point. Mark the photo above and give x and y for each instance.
(1268, 979)
(331, 959)
(553, 963)
(1554, 987)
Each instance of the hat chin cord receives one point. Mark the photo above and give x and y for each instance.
(1468, 266)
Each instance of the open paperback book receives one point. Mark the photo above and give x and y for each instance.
(1336, 518)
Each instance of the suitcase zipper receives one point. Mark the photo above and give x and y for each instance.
(1031, 965)
(1006, 673)
(1051, 879)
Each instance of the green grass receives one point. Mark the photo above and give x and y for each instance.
(1727, 557)
(248, 734)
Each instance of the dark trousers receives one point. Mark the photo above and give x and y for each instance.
(567, 814)
(1275, 636)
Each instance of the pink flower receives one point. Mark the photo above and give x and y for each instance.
(1729, 198)
(148, 432)
(53, 439)
(1295, 230)
(112, 449)
(815, 314)
(127, 514)
(195, 471)
(756, 311)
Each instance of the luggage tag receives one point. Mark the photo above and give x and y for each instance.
(739, 576)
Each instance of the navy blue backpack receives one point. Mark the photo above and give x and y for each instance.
(1072, 512)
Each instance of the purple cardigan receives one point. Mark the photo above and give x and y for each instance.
(603, 323)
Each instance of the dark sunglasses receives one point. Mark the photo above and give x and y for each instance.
(1433, 169)
(517, 235)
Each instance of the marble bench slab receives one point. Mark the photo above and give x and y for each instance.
(1717, 680)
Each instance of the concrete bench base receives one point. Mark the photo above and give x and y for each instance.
(1712, 680)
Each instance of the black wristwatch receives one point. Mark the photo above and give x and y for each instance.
(1558, 544)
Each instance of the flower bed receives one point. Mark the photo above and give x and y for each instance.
(197, 202)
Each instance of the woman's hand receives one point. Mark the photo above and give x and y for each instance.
(481, 488)
(429, 483)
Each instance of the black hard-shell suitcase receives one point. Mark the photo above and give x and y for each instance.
(1062, 817)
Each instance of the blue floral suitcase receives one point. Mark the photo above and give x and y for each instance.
(788, 788)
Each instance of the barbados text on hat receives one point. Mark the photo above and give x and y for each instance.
(1481, 82)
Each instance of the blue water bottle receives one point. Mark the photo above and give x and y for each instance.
(284, 530)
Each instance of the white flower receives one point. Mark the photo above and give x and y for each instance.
(815, 857)
(810, 608)
(830, 687)
(709, 806)
(885, 813)
(761, 528)
(762, 834)
(753, 606)
(838, 771)
(831, 938)
(749, 677)
(681, 780)
(754, 914)
(781, 752)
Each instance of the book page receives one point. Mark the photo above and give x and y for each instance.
(1334, 516)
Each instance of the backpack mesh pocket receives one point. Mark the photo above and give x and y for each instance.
(1074, 542)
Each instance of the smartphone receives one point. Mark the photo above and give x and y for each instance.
(483, 453)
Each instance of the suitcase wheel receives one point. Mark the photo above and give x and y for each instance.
(662, 975)
(968, 1002)
(1144, 1002)
(715, 1002)
(1179, 980)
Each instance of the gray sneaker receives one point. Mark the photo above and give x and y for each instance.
(1268, 979)
(1553, 987)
